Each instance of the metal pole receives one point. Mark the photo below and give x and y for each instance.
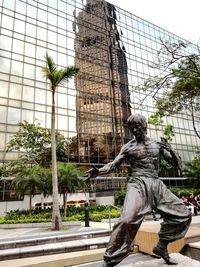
(87, 219)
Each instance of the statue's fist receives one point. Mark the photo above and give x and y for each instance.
(91, 173)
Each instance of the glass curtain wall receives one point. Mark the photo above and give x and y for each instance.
(113, 49)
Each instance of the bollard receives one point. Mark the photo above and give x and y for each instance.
(87, 219)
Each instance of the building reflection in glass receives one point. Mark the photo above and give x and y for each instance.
(103, 99)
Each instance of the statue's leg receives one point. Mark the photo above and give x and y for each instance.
(176, 219)
(124, 231)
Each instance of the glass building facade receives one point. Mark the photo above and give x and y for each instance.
(113, 49)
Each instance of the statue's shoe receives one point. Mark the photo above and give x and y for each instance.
(164, 254)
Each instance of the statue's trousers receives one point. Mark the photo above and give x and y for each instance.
(143, 195)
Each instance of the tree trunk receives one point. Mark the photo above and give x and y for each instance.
(56, 218)
(30, 204)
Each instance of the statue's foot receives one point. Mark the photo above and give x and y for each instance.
(164, 254)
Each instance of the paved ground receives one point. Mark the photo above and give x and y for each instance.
(140, 260)
(25, 232)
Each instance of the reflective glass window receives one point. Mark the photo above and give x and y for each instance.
(2, 140)
(29, 71)
(7, 22)
(28, 93)
(3, 89)
(19, 26)
(13, 115)
(31, 11)
(29, 50)
(41, 33)
(21, 7)
(5, 65)
(17, 68)
(27, 115)
(42, 15)
(15, 91)
(62, 123)
(31, 30)
(9, 4)
(40, 96)
(6, 42)
(18, 46)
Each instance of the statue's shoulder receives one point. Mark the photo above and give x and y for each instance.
(127, 146)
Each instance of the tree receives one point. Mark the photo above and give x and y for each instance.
(34, 142)
(69, 181)
(192, 170)
(27, 181)
(56, 77)
(177, 87)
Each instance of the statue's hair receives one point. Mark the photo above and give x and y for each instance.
(137, 118)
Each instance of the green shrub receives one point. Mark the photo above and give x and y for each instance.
(74, 214)
(119, 197)
(184, 191)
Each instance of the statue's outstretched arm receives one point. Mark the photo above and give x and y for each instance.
(94, 172)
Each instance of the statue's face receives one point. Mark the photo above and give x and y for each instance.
(138, 130)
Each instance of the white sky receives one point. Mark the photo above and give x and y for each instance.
(181, 17)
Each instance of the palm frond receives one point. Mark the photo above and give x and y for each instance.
(50, 69)
(66, 74)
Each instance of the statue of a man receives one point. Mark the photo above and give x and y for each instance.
(144, 193)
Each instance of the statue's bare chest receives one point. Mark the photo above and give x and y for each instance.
(145, 151)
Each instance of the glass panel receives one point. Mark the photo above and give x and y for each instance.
(29, 49)
(7, 22)
(13, 115)
(62, 123)
(40, 96)
(31, 30)
(9, 4)
(31, 11)
(3, 112)
(29, 71)
(41, 33)
(2, 140)
(28, 93)
(19, 26)
(62, 100)
(21, 7)
(3, 89)
(16, 68)
(5, 65)
(18, 46)
(15, 91)
(40, 118)
(42, 15)
(72, 124)
(6, 42)
(27, 115)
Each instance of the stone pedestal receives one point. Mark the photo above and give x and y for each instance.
(183, 261)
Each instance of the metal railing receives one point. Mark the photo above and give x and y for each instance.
(109, 215)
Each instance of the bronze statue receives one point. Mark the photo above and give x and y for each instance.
(144, 193)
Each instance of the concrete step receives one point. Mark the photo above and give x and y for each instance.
(142, 260)
(47, 239)
(192, 250)
(54, 248)
(136, 257)
(56, 260)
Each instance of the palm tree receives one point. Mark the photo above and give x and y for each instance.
(56, 77)
(69, 181)
(27, 181)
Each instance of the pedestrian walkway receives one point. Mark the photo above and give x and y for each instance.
(94, 246)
